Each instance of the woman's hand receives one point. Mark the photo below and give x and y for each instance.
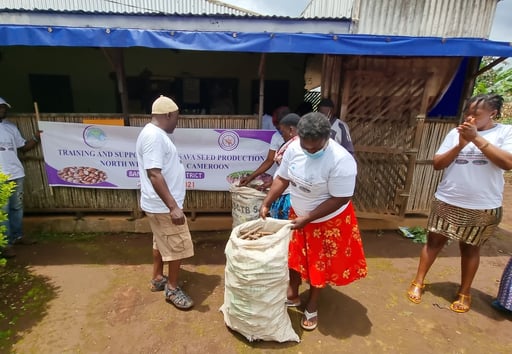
(244, 181)
(263, 211)
(467, 131)
(299, 222)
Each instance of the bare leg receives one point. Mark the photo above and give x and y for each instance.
(174, 269)
(293, 287)
(158, 265)
(429, 253)
(469, 262)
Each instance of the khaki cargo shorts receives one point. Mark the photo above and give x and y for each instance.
(172, 241)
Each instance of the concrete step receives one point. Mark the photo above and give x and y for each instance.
(207, 222)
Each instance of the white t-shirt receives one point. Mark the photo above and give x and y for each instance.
(472, 181)
(155, 149)
(10, 141)
(313, 181)
(266, 122)
(341, 134)
(276, 141)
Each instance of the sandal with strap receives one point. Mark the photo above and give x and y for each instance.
(415, 292)
(178, 298)
(308, 316)
(462, 304)
(293, 303)
(158, 285)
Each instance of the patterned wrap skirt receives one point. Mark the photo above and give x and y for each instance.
(329, 252)
(471, 226)
(280, 208)
(505, 292)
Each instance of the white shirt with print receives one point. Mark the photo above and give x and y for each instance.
(313, 181)
(472, 181)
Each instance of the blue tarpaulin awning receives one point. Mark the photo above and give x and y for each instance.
(264, 42)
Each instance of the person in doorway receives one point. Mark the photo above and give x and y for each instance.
(503, 301)
(275, 143)
(326, 246)
(288, 127)
(339, 129)
(162, 179)
(304, 108)
(266, 119)
(10, 142)
(467, 205)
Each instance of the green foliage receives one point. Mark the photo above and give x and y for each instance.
(417, 234)
(420, 234)
(6, 189)
(496, 80)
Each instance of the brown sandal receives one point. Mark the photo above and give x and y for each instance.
(415, 291)
(462, 304)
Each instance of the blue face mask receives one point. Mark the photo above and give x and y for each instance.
(315, 155)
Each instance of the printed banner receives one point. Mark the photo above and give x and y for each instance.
(101, 156)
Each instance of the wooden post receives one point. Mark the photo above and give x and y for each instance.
(36, 110)
(261, 97)
(116, 58)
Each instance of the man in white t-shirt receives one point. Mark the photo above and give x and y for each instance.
(339, 129)
(10, 142)
(162, 179)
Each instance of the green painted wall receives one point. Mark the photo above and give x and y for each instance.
(94, 90)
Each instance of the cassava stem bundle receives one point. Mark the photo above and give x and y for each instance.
(253, 233)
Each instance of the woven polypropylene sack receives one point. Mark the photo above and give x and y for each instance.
(256, 281)
(245, 202)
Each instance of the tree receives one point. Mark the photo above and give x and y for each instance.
(497, 79)
(6, 189)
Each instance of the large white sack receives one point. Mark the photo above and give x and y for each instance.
(245, 204)
(256, 281)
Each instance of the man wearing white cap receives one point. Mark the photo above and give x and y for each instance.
(10, 142)
(162, 179)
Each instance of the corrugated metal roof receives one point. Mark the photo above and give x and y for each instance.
(439, 18)
(329, 9)
(194, 7)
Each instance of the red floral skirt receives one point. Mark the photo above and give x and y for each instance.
(329, 252)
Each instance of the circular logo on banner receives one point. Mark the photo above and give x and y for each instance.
(95, 137)
(229, 140)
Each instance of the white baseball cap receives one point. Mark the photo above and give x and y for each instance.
(2, 101)
(163, 105)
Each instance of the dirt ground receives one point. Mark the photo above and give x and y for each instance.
(101, 301)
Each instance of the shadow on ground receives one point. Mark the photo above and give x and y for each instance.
(24, 302)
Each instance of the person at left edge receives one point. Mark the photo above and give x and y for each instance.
(162, 179)
(10, 142)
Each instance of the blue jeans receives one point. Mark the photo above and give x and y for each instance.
(14, 210)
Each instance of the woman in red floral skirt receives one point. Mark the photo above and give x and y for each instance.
(326, 245)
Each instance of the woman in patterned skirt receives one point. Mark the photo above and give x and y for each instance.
(326, 246)
(504, 300)
(467, 204)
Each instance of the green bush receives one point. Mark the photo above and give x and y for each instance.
(6, 189)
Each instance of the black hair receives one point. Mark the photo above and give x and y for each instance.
(491, 100)
(290, 120)
(314, 126)
(304, 107)
(326, 102)
(280, 112)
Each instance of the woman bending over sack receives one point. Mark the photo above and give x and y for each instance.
(326, 246)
